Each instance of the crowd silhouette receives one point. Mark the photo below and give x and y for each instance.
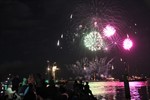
(34, 87)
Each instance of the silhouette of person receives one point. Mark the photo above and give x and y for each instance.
(15, 83)
(87, 89)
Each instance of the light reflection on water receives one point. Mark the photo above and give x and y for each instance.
(115, 90)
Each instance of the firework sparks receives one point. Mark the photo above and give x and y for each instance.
(62, 36)
(93, 41)
(86, 68)
(95, 24)
(127, 43)
(109, 31)
(98, 24)
(106, 48)
(58, 43)
(71, 16)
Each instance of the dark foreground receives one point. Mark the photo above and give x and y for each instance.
(38, 89)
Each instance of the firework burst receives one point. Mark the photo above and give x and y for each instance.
(86, 68)
(108, 18)
(93, 41)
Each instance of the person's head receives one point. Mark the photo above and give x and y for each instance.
(87, 83)
(81, 81)
(10, 86)
(30, 85)
(62, 89)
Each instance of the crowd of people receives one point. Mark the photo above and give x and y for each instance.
(36, 88)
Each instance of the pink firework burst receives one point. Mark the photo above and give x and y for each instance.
(109, 31)
(127, 44)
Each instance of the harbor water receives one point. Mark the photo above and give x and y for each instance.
(139, 90)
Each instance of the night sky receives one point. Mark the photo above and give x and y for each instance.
(30, 29)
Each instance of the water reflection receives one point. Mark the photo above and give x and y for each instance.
(115, 90)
